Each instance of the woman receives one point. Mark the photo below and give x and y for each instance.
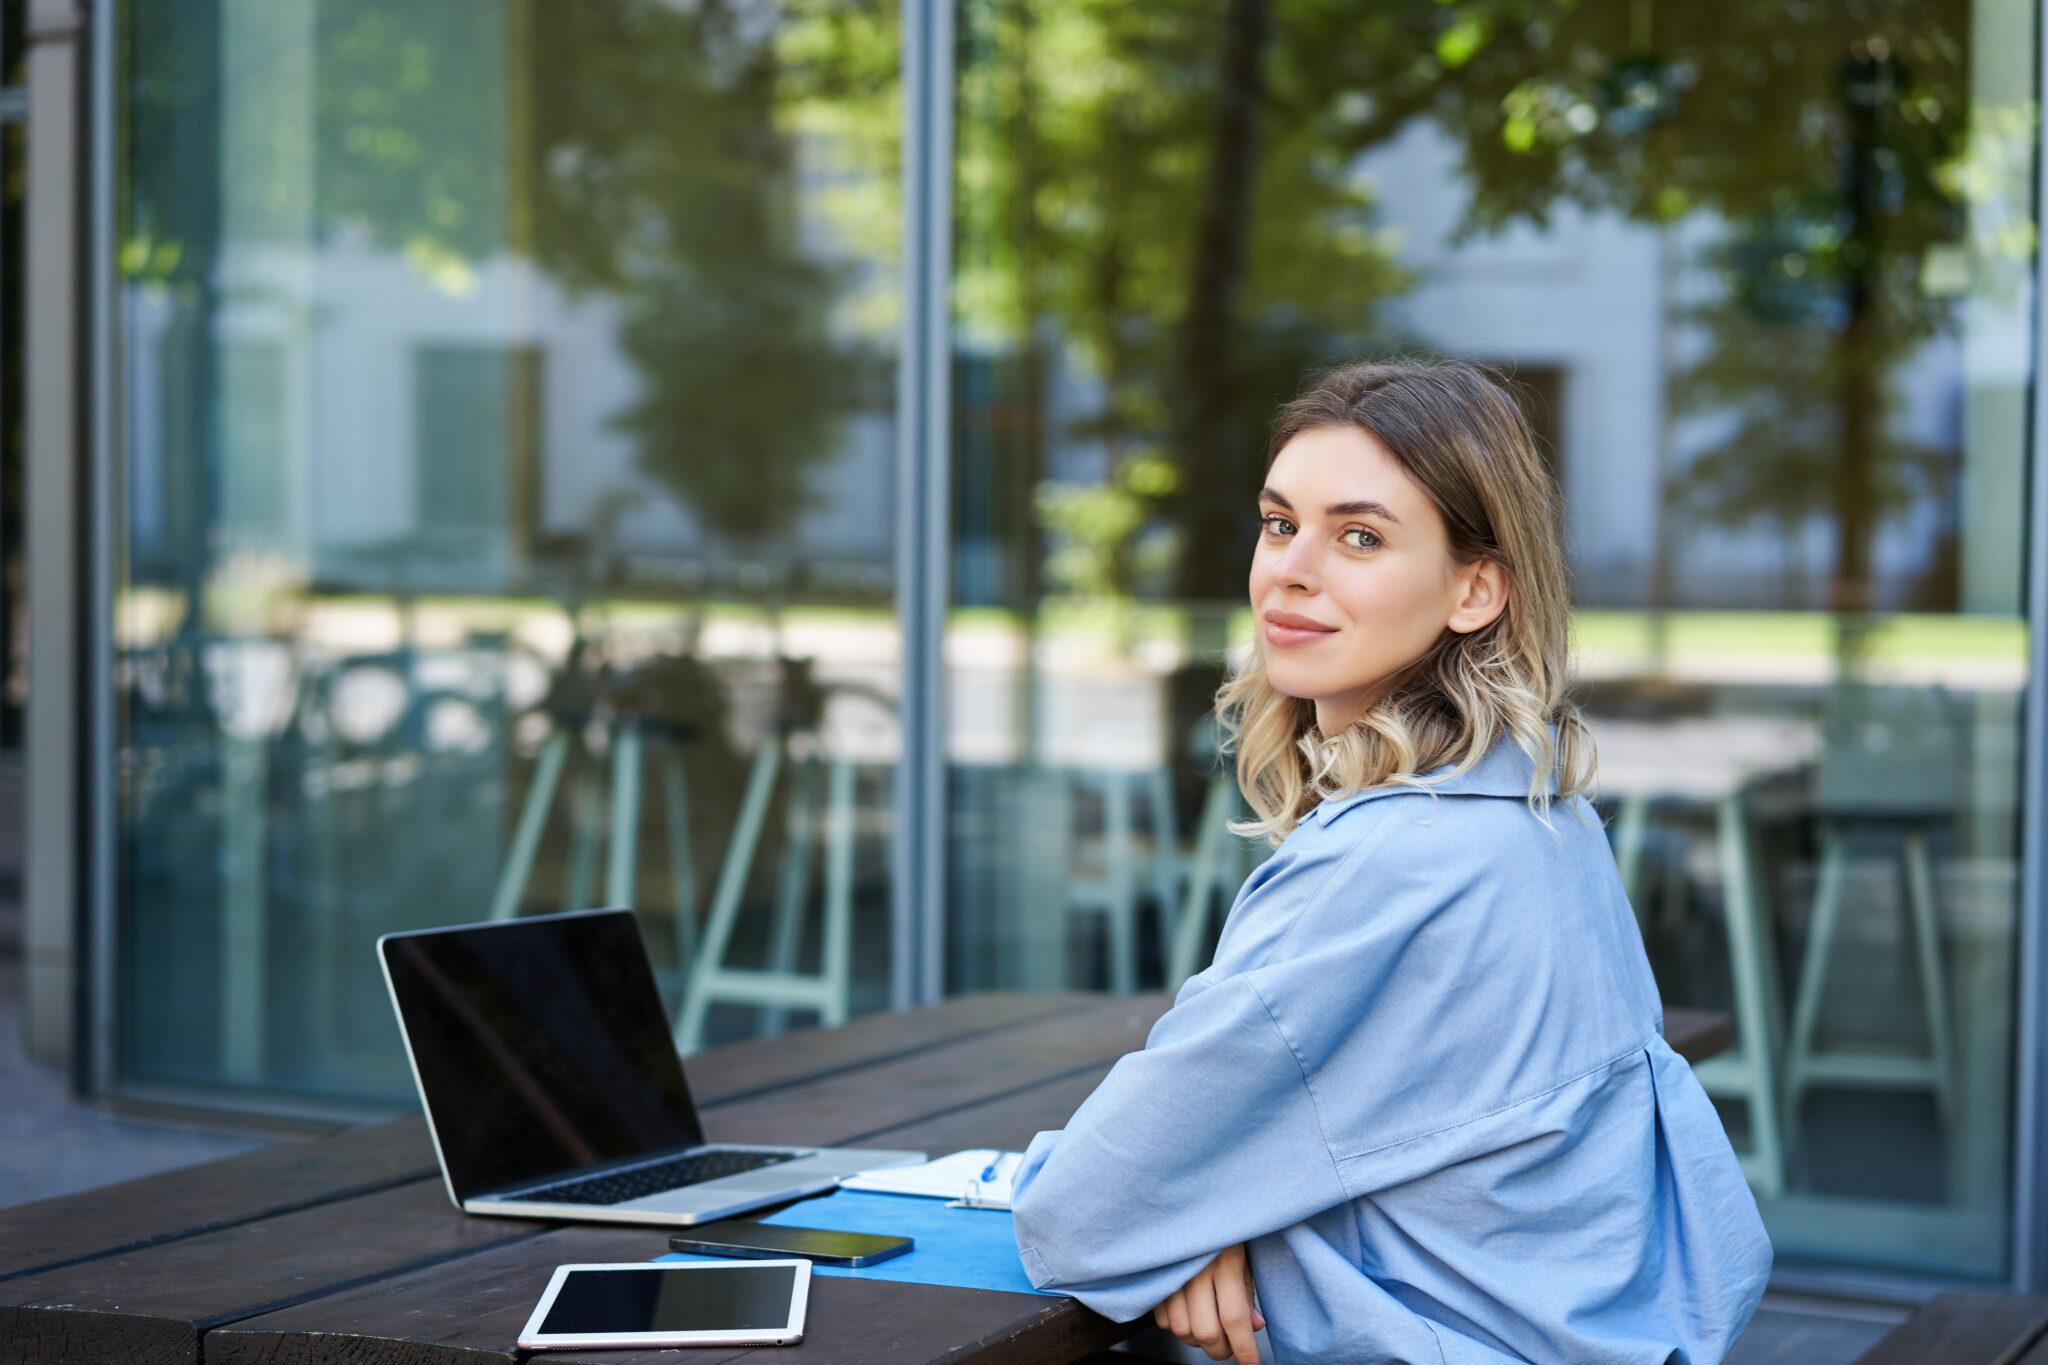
(1422, 1097)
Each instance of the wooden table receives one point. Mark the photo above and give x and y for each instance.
(346, 1249)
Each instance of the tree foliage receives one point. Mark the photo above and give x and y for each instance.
(1822, 136)
(697, 164)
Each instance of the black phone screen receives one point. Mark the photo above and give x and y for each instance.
(738, 1237)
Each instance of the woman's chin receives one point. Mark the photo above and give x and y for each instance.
(1301, 689)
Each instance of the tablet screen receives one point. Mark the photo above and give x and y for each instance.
(733, 1298)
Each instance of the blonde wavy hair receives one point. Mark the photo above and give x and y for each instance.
(1459, 434)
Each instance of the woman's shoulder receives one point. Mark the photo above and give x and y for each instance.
(1506, 773)
(1387, 862)
(1484, 819)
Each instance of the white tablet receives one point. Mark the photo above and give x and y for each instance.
(684, 1303)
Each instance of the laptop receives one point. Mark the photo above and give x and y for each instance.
(552, 1086)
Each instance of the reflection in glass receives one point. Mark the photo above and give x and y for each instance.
(1761, 275)
(507, 495)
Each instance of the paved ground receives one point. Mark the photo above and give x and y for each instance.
(51, 1143)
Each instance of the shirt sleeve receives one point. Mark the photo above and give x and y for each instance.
(1148, 1182)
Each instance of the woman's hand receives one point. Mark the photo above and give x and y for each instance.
(1215, 1309)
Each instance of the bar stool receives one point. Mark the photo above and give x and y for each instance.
(1889, 774)
(611, 723)
(1656, 768)
(780, 986)
(1108, 873)
(821, 807)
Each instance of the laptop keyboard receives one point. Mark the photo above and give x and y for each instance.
(619, 1186)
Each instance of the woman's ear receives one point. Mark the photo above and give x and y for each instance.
(1482, 598)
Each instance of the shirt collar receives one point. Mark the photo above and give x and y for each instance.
(1504, 771)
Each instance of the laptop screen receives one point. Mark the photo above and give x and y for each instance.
(540, 1045)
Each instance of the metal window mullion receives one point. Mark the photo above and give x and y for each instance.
(923, 502)
(2030, 1124)
(97, 552)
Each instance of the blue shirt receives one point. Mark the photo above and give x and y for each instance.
(1426, 1082)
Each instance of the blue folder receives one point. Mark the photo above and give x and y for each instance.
(965, 1248)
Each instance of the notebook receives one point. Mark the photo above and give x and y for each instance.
(980, 1176)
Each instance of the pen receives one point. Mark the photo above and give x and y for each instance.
(988, 1172)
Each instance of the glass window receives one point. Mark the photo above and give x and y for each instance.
(1761, 274)
(506, 484)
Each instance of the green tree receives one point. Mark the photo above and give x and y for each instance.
(663, 170)
(1137, 190)
(634, 148)
(1165, 189)
(1822, 134)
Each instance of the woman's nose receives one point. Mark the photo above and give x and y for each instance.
(1298, 564)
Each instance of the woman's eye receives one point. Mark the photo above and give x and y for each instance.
(1273, 524)
(1358, 538)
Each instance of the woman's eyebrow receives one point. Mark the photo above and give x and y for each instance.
(1363, 507)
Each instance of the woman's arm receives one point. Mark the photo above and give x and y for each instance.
(1209, 1137)
(1206, 1139)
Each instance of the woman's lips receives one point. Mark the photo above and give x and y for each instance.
(1285, 629)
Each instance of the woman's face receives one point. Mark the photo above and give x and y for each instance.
(1354, 579)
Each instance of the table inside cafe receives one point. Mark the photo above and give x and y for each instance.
(346, 1248)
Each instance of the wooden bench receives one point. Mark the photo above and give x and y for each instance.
(1968, 1329)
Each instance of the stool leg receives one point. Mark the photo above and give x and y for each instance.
(725, 901)
(533, 818)
(1123, 885)
(1751, 955)
(244, 916)
(625, 816)
(793, 887)
(1203, 874)
(837, 954)
(1629, 829)
(1166, 869)
(1039, 900)
(682, 866)
(1933, 986)
(1813, 972)
(588, 806)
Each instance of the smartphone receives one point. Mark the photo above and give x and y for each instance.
(737, 1237)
